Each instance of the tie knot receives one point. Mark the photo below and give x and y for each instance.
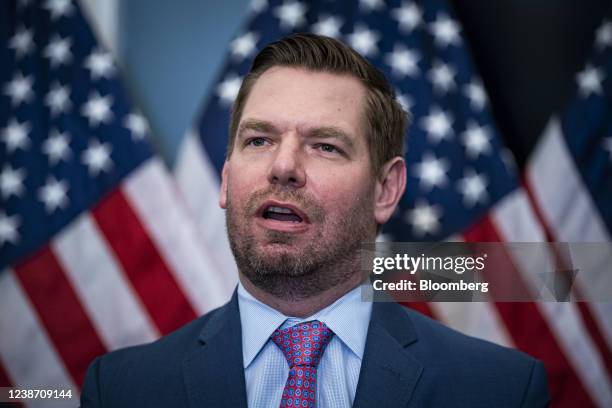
(303, 344)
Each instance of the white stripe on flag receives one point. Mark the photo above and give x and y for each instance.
(579, 349)
(476, 319)
(26, 352)
(152, 195)
(564, 201)
(603, 314)
(199, 184)
(571, 215)
(102, 288)
(517, 222)
(562, 318)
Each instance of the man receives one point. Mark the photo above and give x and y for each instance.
(314, 167)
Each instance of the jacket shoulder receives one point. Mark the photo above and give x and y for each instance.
(448, 343)
(148, 372)
(172, 346)
(475, 371)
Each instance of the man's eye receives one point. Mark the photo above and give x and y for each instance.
(327, 148)
(256, 141)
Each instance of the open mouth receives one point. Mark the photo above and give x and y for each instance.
(281, 214)
(287, 213)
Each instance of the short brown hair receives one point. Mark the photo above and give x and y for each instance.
(386, 121)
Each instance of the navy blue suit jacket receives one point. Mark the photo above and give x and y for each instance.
(409, 361)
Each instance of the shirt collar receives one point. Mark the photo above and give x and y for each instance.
(348, 317)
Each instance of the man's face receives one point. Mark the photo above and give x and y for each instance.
(298, 186)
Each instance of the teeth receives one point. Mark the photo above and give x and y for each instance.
(280, 210)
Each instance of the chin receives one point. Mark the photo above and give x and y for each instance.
(278, 249)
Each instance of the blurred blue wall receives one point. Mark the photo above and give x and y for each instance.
(170, 53)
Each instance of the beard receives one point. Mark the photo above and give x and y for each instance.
(287, 272)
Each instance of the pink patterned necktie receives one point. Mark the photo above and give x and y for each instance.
(303, 345)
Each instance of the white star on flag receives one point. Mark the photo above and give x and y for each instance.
(432, 171)
(97, 109)
(58, 51)
(100, 64)
(328, 26)
(442, 77)
(228, 89)
(589, 81)
(11, 181)
(245, 45)
(137, 125)
(476, 140)
(19, 89)
(22, 42)
(473, 187)
(15, 135)
(58, 99)
(438, 125)
(291, 14)
(56, 147)
(603, 37)
(257, 6)
(371, 5)
(403, 61)
(364, 40)
(53, 194)
(8, 229)
(474, 91)
(424, 218)
(59, 8)
(97, 157)
(445, 31)
(409, 16)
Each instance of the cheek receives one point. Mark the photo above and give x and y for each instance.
(235, 195)
(343, 194)
(242, 180)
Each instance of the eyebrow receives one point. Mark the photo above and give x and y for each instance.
(256, 125)
(331, 132)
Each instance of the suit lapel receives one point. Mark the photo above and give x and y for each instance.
(213, 372)
(389, 373)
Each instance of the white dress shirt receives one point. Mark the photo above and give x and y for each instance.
(265, 366)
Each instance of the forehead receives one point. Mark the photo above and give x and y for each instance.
(298, 98)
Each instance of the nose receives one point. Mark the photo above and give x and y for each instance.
(287, 167)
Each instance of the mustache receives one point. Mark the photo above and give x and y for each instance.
(308, 204)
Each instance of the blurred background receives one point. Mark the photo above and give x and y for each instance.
(526, 52)
(110, 232)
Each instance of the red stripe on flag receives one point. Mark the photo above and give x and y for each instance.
(60, 312)
(4, 378)
(583, 307)
(531, 333)
(142, 263)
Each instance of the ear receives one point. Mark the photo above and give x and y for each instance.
(390, 186)
(223, 195)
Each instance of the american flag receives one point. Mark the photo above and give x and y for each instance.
(96, 252)
(462, 181)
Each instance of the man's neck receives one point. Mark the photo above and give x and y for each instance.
(301, 307)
